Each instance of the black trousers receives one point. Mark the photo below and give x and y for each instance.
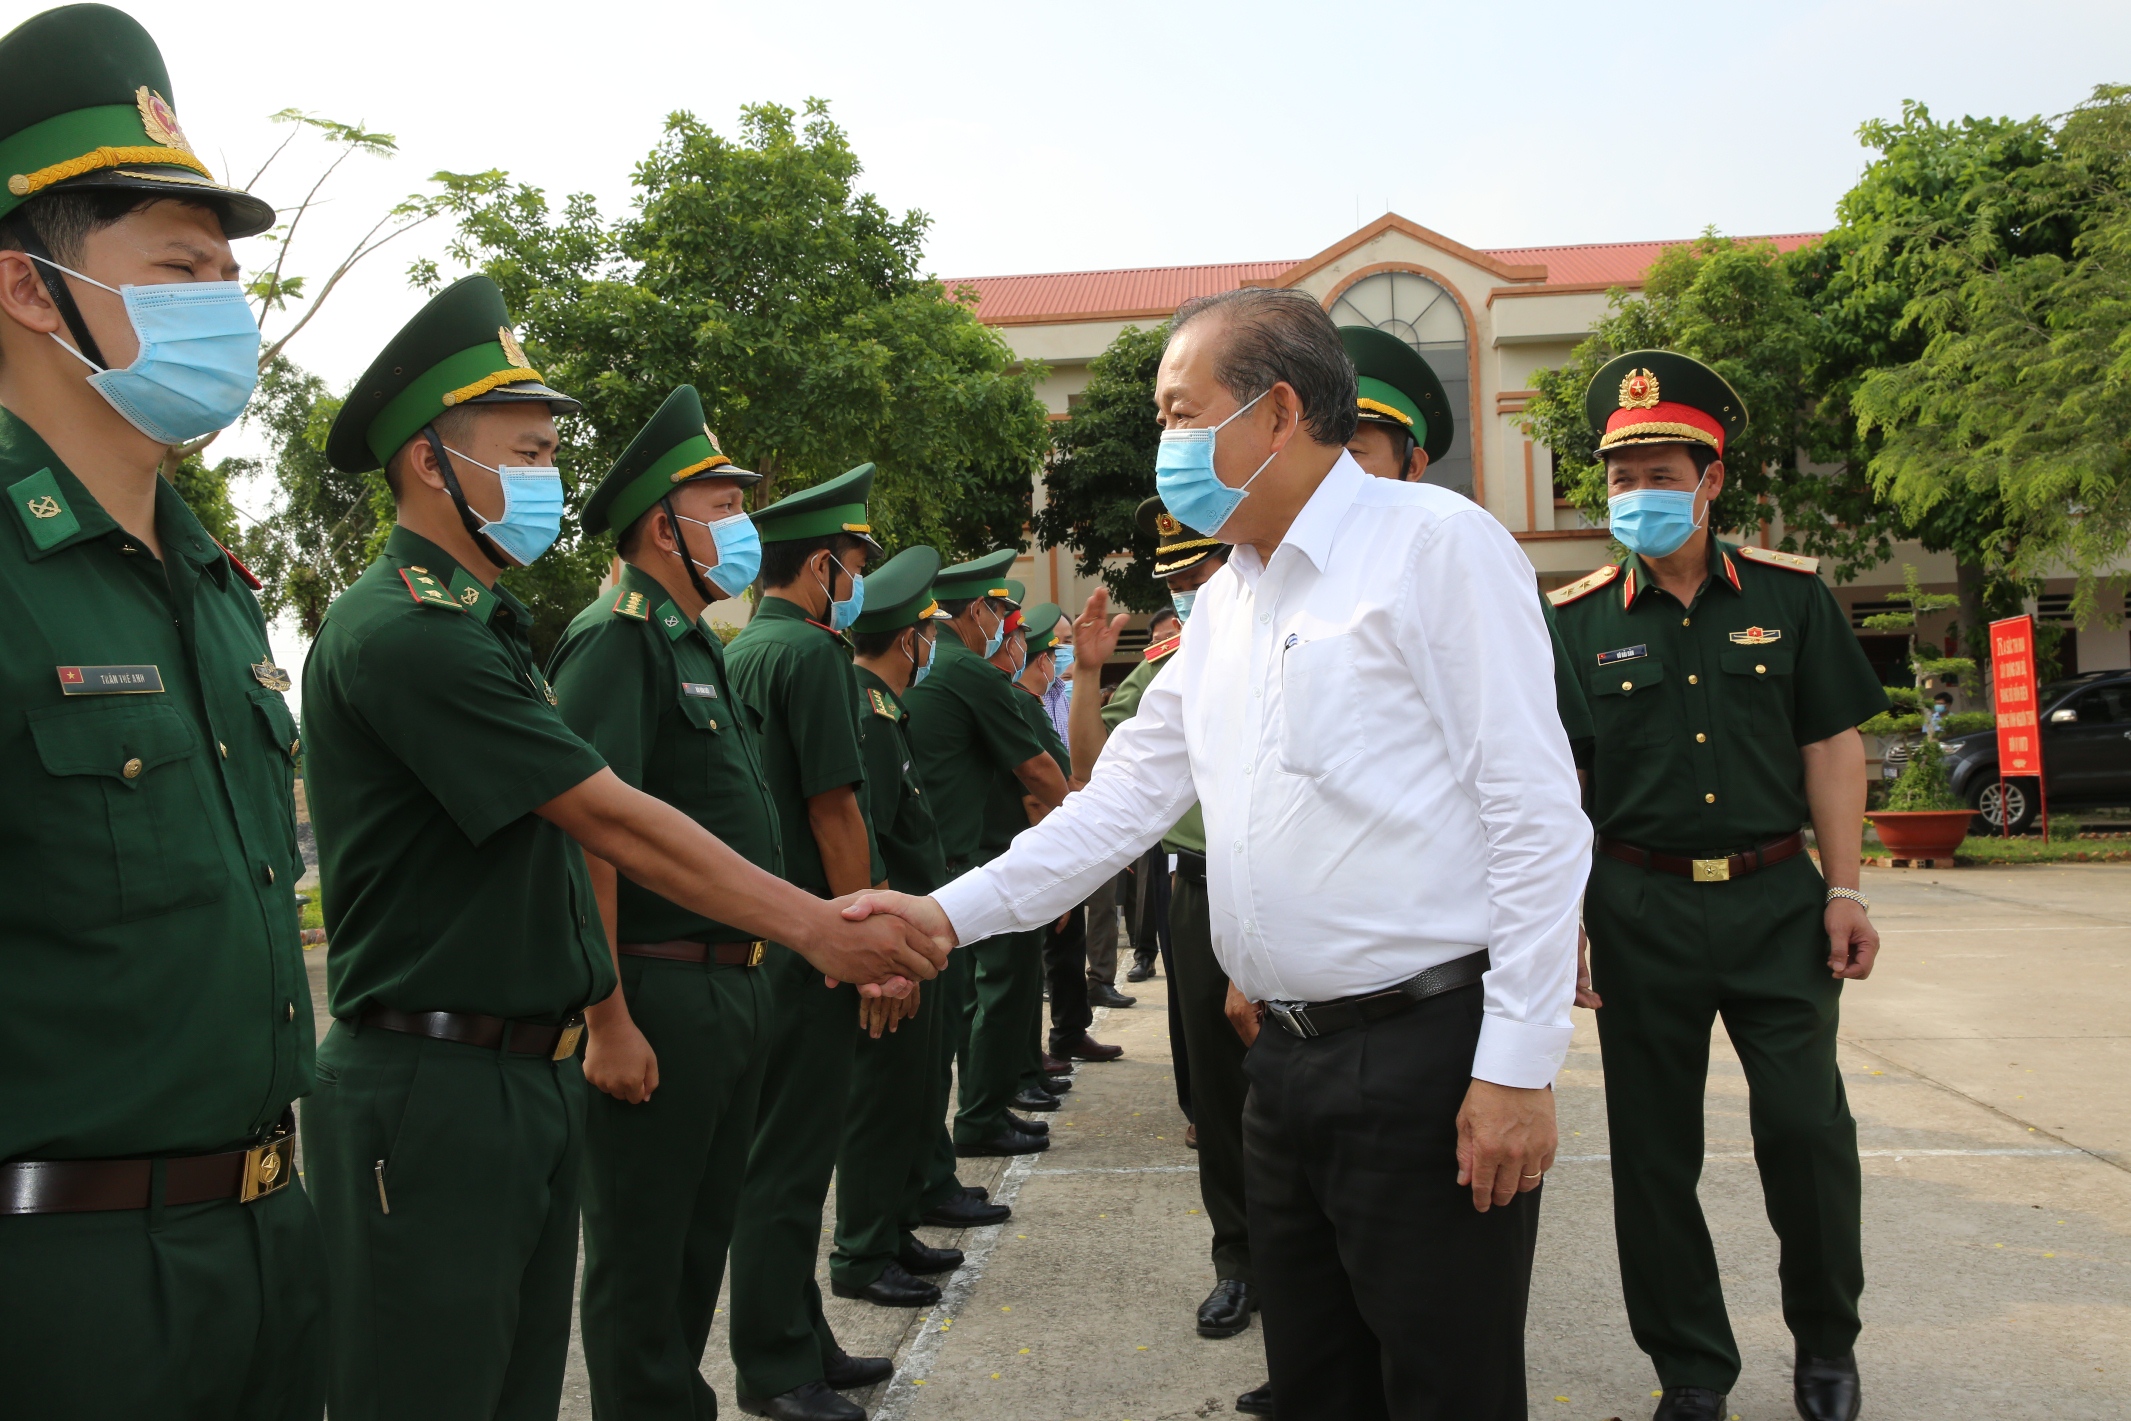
(1065, 971)
(1385, 1293)
(1198, 991)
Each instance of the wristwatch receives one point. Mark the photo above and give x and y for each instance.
(1853, 895)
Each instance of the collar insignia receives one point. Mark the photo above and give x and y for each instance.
(1757, 636)
(1163, 647)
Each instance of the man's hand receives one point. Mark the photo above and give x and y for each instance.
(1095, 634)
(923, 915)
(1244, 1015)
(1853, 942)
(1585, 997)
(875, 1013)
(619, 1061)
(872, 949)
(1506, 1141)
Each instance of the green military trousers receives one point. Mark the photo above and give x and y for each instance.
(446, 1182)
(1669, 956)
(890, 1132)
(189, 1312)
(952, 992)
(662, 1184)
(779, 1339)
(1214, 1055)
(1009, 997)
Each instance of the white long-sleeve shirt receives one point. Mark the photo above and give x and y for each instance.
(1368, 721)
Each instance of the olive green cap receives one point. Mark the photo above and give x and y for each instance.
(900, 594)
(982, 577)
(1662, 397)
(1176, 546)
(1399, 388)
(458, 350)
(85, 105)
(675, 448)
(835, 505)
(1042, 622)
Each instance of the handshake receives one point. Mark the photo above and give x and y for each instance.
(880, 940)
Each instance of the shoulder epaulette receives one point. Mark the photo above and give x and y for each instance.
(1163, 647)
(426, 589)
(251, 579)
(882, 706)
(631, 604)
(1584, 586)
(1790, 562)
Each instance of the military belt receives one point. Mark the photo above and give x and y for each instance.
(725, 954)
(1720, 870)
(84, 1186)
(520, 1038)
(1311, 1019)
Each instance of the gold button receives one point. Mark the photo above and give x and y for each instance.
(1694, 680)
(1686, 621)
(1760, 670)
(1699, 737)
(713, 725)
(1709, 799)
(223, 748)
(1627, 685)
(132, 768)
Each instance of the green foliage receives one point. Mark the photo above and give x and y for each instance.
(1966, 723)
(327, 525)
(205, 490)
(1102, 469)
(1923, 783)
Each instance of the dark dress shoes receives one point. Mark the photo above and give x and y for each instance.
(1033, 1099)
(1057, 1085)
(1258, 1401)
(1006, 1142)
(976, 1191)
(812, 1402)
(1690, 1403)
(1227, 1308)
(844, 1372)
(893, 1289)
(965, 1211)
(1086, 1048)
(1056, 1065)
(1825, 1388)
(1027, 1127)
(1102, 994)
(1140, 970)
(919, 1257)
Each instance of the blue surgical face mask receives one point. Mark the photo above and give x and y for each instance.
(532, 509)
(1184, 475)
(1182, 602)
(198, 361)
(1654, 522)
(1062, 659)
(997, 638)
(739, 553)
(919, 670)
(845, 612)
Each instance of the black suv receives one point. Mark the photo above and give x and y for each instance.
(2086, 754)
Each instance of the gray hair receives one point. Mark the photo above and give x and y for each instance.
(1275, 336)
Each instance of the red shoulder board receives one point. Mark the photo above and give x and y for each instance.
(1163, 647)
(1584, 586)
(251, 579)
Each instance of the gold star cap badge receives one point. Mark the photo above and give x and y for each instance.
(512, 351)
(1166, 525)
(1638, 390)
(160, 120)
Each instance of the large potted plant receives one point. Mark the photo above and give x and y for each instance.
(1923, 817)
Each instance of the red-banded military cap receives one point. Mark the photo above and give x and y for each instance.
(1662, 397)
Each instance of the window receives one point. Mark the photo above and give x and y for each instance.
(1426, 317)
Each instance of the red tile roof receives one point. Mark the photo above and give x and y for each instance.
(1154, 292)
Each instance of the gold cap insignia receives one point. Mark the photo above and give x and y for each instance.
(512, 351)
(1638, 390)
(1166, 525)
(44, 507)
(715, 446)
(159, 119)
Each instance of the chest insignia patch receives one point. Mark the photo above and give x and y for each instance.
(882, 706)
(109, 680)
(701, 690)
(267, 674)
(1623, 653)
(1757, 636)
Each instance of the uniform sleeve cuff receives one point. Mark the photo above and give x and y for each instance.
(975, 907)
(1519, 1054)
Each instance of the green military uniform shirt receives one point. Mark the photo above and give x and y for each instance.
(152, 989)
(1004, 813)
(967, 731)
(647, 688)
(1188, 833)
(1700, 710)
(432, 737)
(896, 803)
(797, 679)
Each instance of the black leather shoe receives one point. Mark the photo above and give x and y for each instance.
(976, 1191)
(1085, 1048)
(1102, 994)
(1057, 1085)
(1034, 1099)
(893, 1289)
(844, 1372)
(919, 1257)
(1227, 1308)
(1825, 1388)
(965, 1212)
(1258, 1401)
(1027, 1127)
(1140, 970)
(1690, 1403)
(812, 1402)
(1006, 1142)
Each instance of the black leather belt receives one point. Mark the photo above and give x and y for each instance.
(1191, 865)
(85, 1186)
(1720, 870)
(725, 954)
(1312, 1019)
(520, 1038)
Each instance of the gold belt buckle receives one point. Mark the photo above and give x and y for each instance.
(755, 950)
(1712, 870)
(268, 1168)
(566, 1041)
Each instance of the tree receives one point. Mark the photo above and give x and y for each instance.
(1102, 469)
(327, 525)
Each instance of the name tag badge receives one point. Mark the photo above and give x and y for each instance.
(701, 690)
(1623, 653)
(109, 680)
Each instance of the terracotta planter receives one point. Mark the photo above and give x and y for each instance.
(1921, 833)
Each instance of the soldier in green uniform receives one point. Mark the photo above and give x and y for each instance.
(1726, 686)
(969, 730)
(673, 1055)
(160, 1257)
(443, 1144)
(897, 1099)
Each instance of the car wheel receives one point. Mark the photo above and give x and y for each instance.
(2018, 803)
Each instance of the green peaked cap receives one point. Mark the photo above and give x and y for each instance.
(1662, 397)
(675, 448)
(1041, 622)
(835, 505)
(983, 577)
(85, 105)
(458, 350)
(1396, 381)
(900, 594)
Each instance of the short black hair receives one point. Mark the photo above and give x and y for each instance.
(875, 643)
(1276, 336)
(782, 561)
(451, 425)
(1162, 614)
(64, 220)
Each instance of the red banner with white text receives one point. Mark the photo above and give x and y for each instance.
(2012, 667)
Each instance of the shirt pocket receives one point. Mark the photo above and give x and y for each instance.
(1319, 690)
(1626, 706)
(1758, 679)
(124, 830)
(271, 714)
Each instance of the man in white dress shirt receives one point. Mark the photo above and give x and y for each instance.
(1364, 708)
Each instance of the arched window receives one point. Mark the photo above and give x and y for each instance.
(1426, 317)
